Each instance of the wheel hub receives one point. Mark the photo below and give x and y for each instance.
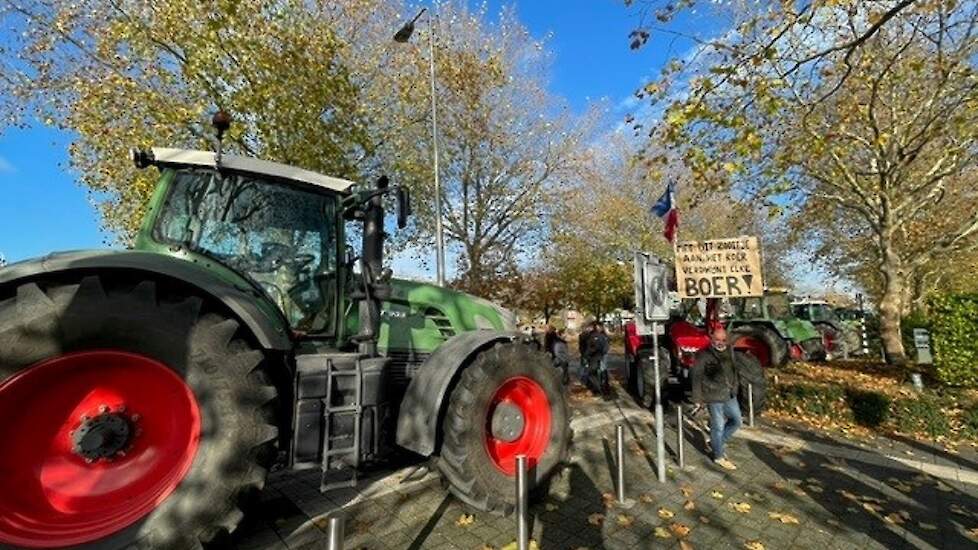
(86, 467)
(507, 422)
(517, 423)
(108, 435)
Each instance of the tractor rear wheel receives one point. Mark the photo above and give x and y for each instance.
(508, 402)
(762, 342)
(814, 349)
(834, 341)
(135, 418)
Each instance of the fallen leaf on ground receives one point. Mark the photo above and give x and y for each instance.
(625, 520)
(685, 545)
(753, 545)
(679, 529)
(846, 494)
(465, 520)
(647, 498)
(513, 546)
(893, 519)
(689, 505)
(957, 509)
(872, 508)
(717, 495)
(742, 507)
(662, 533)
(704, 519)
(686, 491)
(665, 513)
(595, 519)
(609, 499)
(783, 518)
(487, 547)
(973, 533)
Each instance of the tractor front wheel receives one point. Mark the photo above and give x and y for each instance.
(508, 402)
(134, 417)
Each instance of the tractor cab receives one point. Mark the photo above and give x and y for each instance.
(276, 227)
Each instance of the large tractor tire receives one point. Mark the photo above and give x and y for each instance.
(508, 402)
(762, 342)
(645, 376)
(813, 349)
(834, 341)
(134, 418)
(750, 375)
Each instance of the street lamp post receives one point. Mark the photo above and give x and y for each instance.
(403, 35)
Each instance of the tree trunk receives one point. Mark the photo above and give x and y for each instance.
(891, 306)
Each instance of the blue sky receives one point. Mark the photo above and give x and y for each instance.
(43, 209)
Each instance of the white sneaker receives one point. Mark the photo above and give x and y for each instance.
(725, 464)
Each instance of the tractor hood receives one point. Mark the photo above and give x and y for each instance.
(419, 317)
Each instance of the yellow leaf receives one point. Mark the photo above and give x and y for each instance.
(717, 495)
(679, 529)
(753, 545)
(686, 490)
(742, 507)
(689, 505)
(662, 533)
(625, 520)
(783, 518)
(685, 545)
(665, 513)
(647, 498)
(465, 520)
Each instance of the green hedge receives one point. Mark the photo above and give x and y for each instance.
(954, 338)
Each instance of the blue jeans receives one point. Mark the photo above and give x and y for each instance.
(724, 421)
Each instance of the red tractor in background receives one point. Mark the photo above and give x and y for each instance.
(683, 336)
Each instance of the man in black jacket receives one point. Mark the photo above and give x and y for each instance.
(596, 348)
(714, 380)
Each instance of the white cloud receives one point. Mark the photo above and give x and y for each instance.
(6, 167)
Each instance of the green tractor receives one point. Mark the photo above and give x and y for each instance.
(768, 321)
(839, 338)
(149, 391)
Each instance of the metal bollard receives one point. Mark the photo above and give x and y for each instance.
(680, 436)
(336, 532)
(620, 436)
(522, 523)
(750, 405)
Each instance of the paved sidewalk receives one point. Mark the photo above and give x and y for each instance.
(793, 489)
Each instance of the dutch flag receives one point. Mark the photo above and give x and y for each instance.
(665, 207)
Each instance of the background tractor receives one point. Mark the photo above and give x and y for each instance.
(155, 387)
(768, 325)
(684, 334)
(839, 338)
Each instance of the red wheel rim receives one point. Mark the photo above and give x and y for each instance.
(755, 347)
(526, 395)
(52, 494)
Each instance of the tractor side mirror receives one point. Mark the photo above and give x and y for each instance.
(403, 206)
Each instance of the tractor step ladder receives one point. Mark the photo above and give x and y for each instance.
(341, 457)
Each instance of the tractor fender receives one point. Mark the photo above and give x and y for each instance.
(242, 302)
(420, 411)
